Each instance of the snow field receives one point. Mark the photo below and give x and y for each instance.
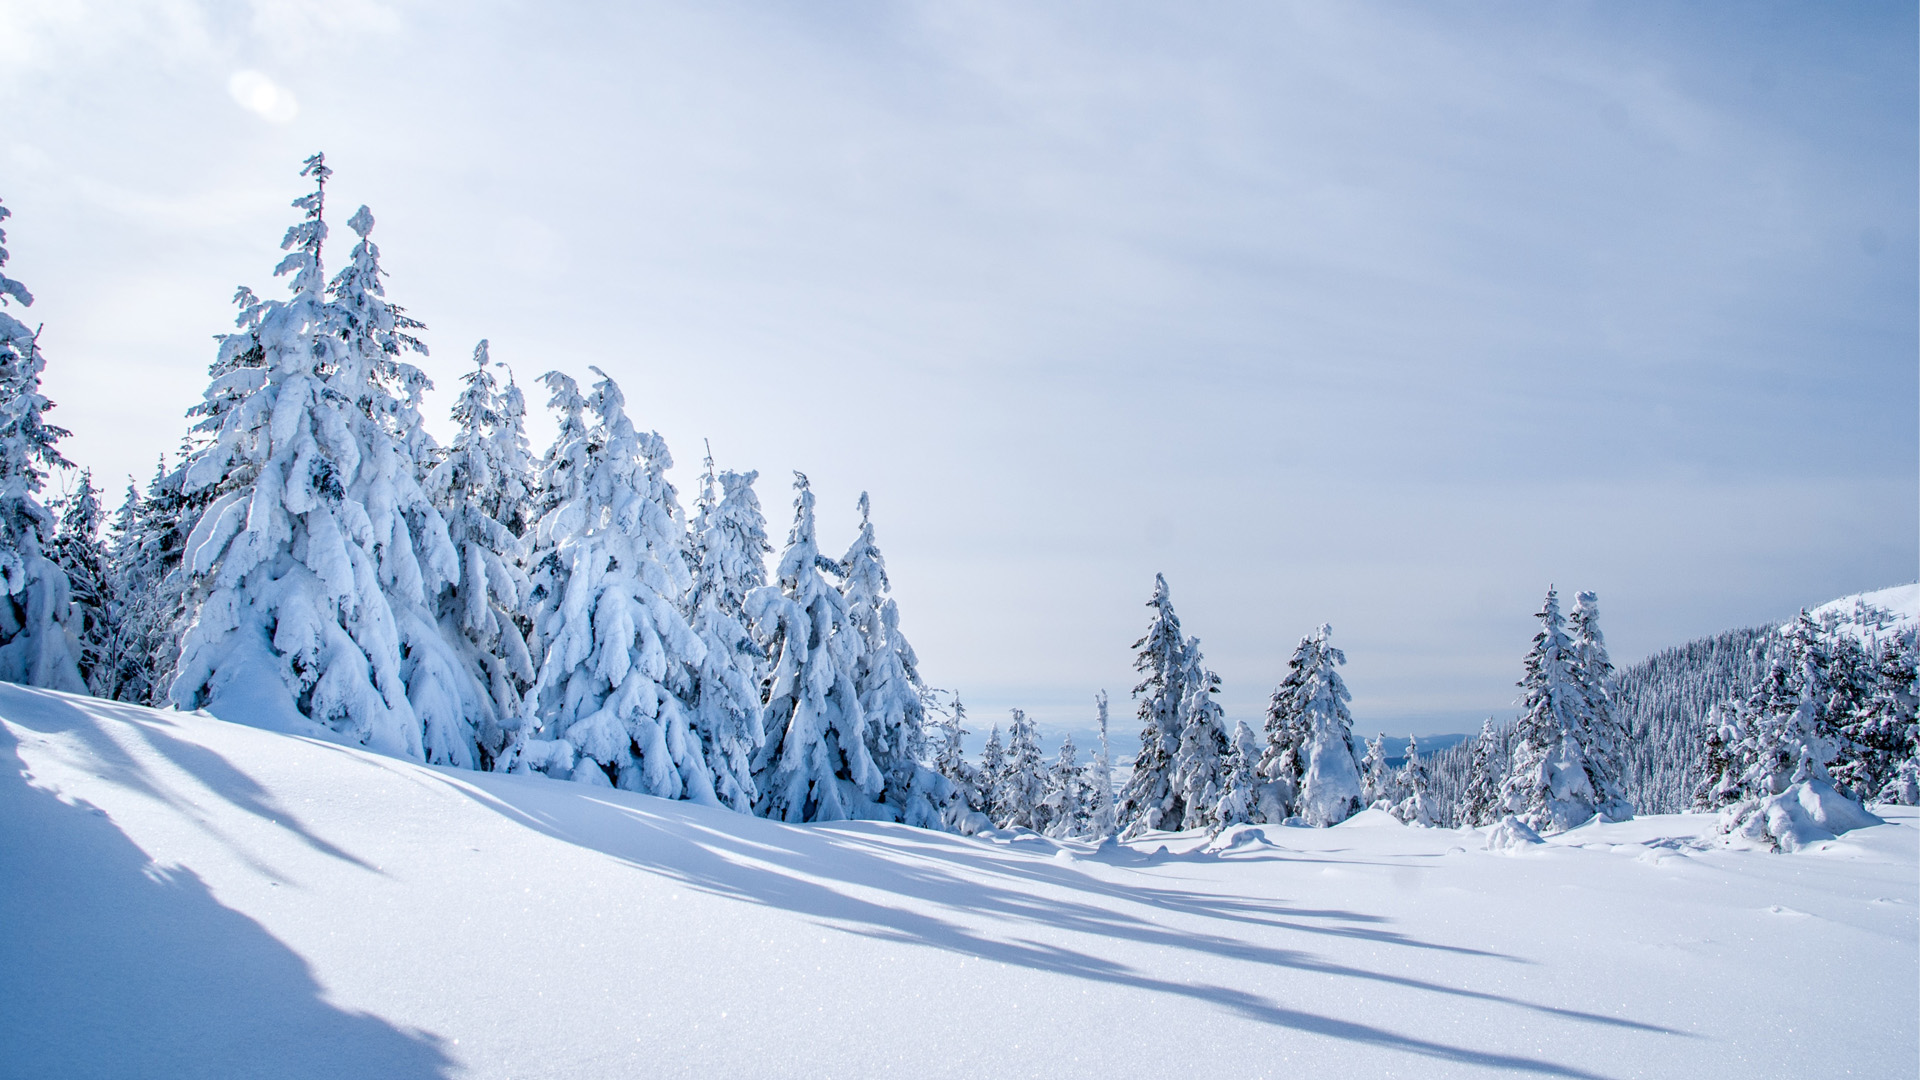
(187, 897)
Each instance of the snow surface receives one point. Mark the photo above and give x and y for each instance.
(1900, 601)
(187, 897)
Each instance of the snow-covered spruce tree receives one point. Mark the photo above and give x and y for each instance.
(1283, 756)
(1100, 815)
(1149, 801)
(1601, 733)
(148, 536)
(730, 550)
(619, 658)
(1549, 786)
(1888, 725)
(1480, 804)
(1240, 782)
(950, 760)
(77, 549)
(1198, 779)
(314, 568)
(1064, 801)
(1877, 727)
(1022, 791)
(993, 769)
(1311, 705)
(887, 678)
(1789, 800)
(38, 643)
(814, 765)
(1380, 785)
(1728, 724)
(483, 488)
(1414, 808)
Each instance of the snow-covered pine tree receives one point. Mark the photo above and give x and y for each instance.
(1283, 756)
(77, 549)
(814, 765)
(1414, 808)
(950, 760)
(1309, 715)
(1148, 801)
(1876, 712)
(888, 681)
(993, 770)
(1888, 726)
(1240, 783)
(482, 487)
(1100, 816)
(149, 534)
(619, 658)
(1022, 791)
(1064, 802)
(1600, 731)
(314, 565)
(1380, 785)
(1789, 799)
(1728, 724)
(1549, 786)
(38, 643)
(1480, 805)
(1198, 779)
(730, 551)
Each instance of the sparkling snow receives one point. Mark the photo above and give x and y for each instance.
(186, 897)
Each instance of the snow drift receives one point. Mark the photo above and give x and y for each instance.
(187, 897)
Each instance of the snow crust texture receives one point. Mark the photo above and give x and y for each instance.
(188, 897)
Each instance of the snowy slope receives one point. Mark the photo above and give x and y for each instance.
(185, 897)
(1863, 612)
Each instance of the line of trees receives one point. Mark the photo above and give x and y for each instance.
(312, 559)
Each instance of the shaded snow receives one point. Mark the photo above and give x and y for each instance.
(189, 897)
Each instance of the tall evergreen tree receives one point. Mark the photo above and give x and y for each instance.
(1198, 777)
(730, 549)
(1310, 735)
(1887, 729)
(1023, 782)
(78, 551)
(150, 535)
(482, 487)
(1240, 782)
(993, 770)
(1149, 801)
(38, 642)
(1415, 806)
(815, 765)
(1480, 805)
(1101, 811)
(619, 658)
(887, 679)
(312, 565)
(1600, 731)
(1065, 797)
(1381, 785)
(1549, 786)
(950, 760)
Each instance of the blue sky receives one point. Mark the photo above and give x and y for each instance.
(1383, 315)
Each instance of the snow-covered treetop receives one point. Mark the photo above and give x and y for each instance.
(26, 440)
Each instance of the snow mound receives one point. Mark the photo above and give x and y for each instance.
(1512, 835)
(1803, 815)
(1372, 818)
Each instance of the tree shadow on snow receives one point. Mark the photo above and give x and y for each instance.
(111, 966)
(821, 871)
